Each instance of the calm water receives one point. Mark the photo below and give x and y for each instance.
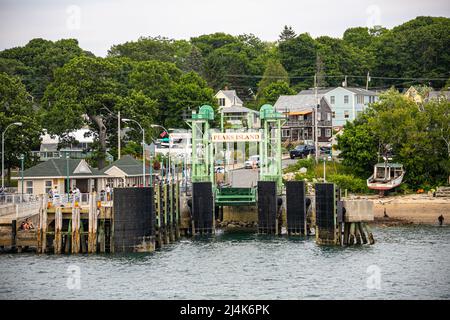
(413, 262)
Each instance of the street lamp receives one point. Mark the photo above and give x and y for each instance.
(170, 145)
(22, 158)
(68, 174)
(143, 147)
(3, 150)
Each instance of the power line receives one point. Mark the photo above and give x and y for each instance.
(334, 76)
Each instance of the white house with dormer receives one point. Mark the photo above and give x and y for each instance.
(233, 111)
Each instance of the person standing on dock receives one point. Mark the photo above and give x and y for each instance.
(56, 196)
(441, 220)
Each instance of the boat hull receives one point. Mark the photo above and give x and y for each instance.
(384, 186)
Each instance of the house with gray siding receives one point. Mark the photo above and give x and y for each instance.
(300, 111)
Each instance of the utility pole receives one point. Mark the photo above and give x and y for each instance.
(367, 80)
(118, 135)
(316, 142)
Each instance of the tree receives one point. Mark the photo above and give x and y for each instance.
(273, 91)
(359, 146)
(415, 137)
(154, 48)
(15, 106)
(84, 93)
(298, 57)
(36, 62)
(156, 80)
(287, 34)
(189, 93)
(194, 62)
(274, 72)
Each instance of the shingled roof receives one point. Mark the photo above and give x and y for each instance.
(128, 165)
(57, 168)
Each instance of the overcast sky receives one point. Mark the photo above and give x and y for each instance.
(98, 24)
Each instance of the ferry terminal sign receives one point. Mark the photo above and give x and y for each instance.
(236, 137)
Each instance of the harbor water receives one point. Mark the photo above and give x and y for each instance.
(407, 262)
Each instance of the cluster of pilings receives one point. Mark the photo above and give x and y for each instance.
(167, 213)
(75, 229)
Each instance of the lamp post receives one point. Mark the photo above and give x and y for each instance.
(3, 150)
(170, 145)
(68, 174)
(143, 147)
(22, 158)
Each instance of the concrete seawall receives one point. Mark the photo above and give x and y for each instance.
(413, 209)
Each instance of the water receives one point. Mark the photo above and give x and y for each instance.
(413, 263)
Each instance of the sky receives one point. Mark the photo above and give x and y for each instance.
(99, 24)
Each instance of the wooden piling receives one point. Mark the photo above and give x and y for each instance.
(13, 234)
(58, 229)
(369, 233)
(346, 232)
(362, 232)
(42, 229)
(75, 230)
(351, 240)
(92, 229)
(357, 233)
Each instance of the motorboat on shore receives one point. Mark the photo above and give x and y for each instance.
(386, 176)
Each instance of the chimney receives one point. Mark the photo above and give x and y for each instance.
(226, 88)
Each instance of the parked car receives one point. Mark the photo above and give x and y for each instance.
(249, 163)
(325, 150)
(301, 151)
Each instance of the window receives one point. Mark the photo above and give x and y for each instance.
(360, 99)
(221, 102)
(319, 116)
(319, 132)
(29, 189)
(329, 116)
(334, 114)
(345, 99)
(48, 186)
(332, 100)
(346, 114)
(327, 133)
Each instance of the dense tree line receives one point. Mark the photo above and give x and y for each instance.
(156, 79)
(415, 135)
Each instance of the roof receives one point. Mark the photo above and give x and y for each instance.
(129, 165)
(319, 91)
(361, 91)
(58, 168)
(438, 94)
(390, 165)
(231, 94)
(296, 103)
(354, 90)
(238, 109)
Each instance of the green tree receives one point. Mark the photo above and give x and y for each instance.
(15, 106)
(84, 93)
(189, 93)
(156, 80)
(154, 48)
(298, 57)
(359, 146)
(274, 72)
(273, 91)
(287, 34)
(38, 59)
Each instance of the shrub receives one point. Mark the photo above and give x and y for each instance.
(349, 182)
